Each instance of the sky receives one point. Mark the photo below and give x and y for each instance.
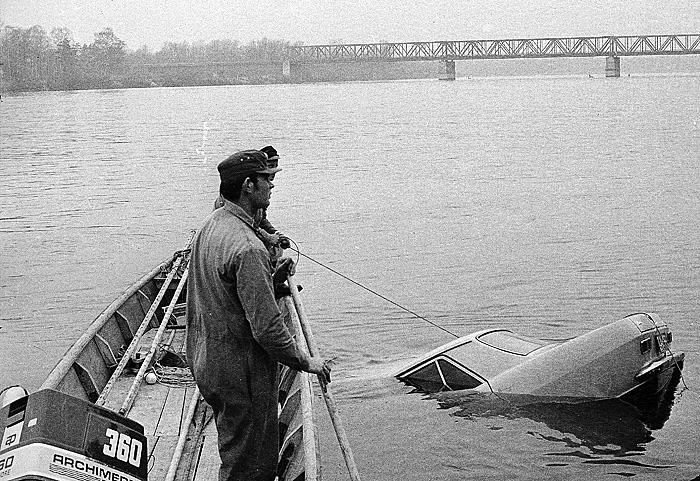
(154, 22)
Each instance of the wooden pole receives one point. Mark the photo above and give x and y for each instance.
(145, 365)
(327, 395)
(182, 438)
(311, 450)
(145, 323)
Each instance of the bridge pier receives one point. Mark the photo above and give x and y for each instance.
(612, 66)
(448, 70)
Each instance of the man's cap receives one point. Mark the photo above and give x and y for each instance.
(270, 152)
(245, 162)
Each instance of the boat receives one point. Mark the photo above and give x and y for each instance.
(628, 358)
(95, 418)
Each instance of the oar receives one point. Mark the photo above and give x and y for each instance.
(327, 395)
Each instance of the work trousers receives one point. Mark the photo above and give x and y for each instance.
(246, 416)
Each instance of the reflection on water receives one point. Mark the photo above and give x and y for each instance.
(608, 429)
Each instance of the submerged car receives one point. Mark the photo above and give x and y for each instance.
(620, 359)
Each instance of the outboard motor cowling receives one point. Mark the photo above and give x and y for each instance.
(51, 435)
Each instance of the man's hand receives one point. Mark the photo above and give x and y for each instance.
(285, 267)
(319, 366)
(273, 239)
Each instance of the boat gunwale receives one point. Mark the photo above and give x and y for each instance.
(64, 365)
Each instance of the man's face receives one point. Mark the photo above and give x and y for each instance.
(263, 190)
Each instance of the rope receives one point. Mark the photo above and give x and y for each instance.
(173, 376)
(175, 372)
(178, 254)
(299, 253)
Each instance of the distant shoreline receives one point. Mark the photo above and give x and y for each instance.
(33, 60)
(427, 76)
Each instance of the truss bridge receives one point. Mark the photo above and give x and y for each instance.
(611, 47)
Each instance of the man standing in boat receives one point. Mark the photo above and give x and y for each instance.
(273, 239)
(235, 331)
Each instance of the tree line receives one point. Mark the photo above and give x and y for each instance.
(33, 59)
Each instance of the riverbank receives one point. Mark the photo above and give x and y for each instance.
(271, 73)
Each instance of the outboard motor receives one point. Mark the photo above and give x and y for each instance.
(49, 435)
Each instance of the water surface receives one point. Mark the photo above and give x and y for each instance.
(549, 206)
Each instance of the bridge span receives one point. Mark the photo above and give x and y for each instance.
(611, 47)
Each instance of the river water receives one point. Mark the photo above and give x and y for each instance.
(549, 206)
